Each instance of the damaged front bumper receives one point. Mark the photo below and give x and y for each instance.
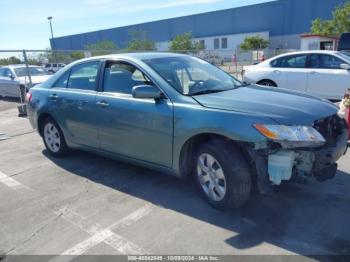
(282, 162)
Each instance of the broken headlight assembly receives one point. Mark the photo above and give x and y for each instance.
(292, 136)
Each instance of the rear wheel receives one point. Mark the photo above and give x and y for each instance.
(267, 83)
(222, 175)
(53, 138)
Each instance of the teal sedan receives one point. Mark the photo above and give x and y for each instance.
(183, 116)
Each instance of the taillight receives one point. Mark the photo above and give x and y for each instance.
(28, 97)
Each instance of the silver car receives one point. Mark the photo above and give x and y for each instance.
(14, 76)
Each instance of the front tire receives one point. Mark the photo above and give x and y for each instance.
(267, 83)
(222, 175)
(53, 138)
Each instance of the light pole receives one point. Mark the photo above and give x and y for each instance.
(53, 39)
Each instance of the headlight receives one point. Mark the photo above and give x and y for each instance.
(293, 136)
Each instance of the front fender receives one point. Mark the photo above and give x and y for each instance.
(190, 121)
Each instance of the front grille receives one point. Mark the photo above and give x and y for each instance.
(330, 128)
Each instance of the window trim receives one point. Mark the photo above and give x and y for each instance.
(122, 60)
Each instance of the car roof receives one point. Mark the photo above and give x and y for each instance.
(139, 56)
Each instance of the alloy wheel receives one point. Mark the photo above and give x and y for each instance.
(211, 177)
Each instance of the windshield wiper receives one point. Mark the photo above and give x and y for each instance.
(209, 91)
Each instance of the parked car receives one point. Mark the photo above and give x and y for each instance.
(14, 76)
(54, 67)
(183, 116)
(344, 42)
(320, 73)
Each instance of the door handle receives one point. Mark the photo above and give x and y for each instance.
(102, 104)
(53, 96)
(313, 72)
(277, 71)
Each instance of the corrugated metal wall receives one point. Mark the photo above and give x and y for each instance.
(283, 17)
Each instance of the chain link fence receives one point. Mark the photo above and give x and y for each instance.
(30, 67)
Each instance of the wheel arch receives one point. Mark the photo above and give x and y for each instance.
(41, 119)
(267, 80)
(188, 149)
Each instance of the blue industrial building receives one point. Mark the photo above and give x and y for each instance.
(281, 22)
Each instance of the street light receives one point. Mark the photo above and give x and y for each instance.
(53, 39)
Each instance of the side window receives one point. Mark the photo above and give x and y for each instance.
(7, 72)
(330, 62)
(120, 77)
(2, 72)
(275, 63)
(294, 61)
(83, 76)
(63, 80)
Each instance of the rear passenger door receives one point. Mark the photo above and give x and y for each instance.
(138, 128)
(292, 72)
(8, 86)
(326, 79)
(73, 97)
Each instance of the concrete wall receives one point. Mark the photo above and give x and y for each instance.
(283, 19)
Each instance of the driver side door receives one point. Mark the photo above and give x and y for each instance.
(141, 129)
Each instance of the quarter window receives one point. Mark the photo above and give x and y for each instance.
(120, 77)
(63, 80)
(294, 61)
(83, 76)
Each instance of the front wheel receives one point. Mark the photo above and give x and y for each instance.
(222, 175)
(53, 138)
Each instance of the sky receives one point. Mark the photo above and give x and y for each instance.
(24, 24)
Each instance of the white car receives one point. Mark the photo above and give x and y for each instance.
(324, 74)
(54, 67)
(14, 76)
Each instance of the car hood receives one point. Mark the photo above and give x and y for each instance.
(284, 106)
(35, 79)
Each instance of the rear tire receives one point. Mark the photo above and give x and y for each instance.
(267, 83)
(53, 138)
(222, 175)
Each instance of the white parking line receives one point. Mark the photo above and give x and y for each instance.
(99, 235)
(10, 182)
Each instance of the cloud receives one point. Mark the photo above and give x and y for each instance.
(131, 6)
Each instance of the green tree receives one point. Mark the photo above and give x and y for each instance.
(10, 61)
(340, 22)
(254, 43)
(77, 55)
(102, 48)
(140, 42)
(184, 42)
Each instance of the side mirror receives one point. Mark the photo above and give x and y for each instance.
(146, 91)
(11, 76)
(345, 66)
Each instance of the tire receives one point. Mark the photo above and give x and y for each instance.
(232, 186)
(267, 83)
(53, 138)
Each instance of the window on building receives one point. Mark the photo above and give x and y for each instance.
(224, 43)
(202, 43)
(216, 43)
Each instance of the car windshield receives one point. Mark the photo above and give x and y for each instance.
(192, 76)
(34, 71)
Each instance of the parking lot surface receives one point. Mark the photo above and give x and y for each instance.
(86, 204)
